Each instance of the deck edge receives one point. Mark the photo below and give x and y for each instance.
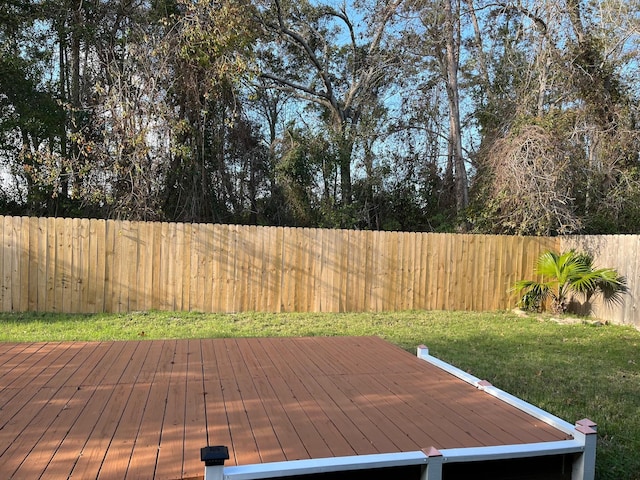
(485, 386)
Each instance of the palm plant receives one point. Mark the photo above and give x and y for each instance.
(564, 275)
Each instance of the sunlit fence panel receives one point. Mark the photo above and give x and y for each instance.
(89, 265)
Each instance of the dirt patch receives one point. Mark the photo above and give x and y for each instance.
(563, 320)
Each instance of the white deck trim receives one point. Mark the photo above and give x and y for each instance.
(548, 418)
(362, 462)
(502, 452)
(324, 465)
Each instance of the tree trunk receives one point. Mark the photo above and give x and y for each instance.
(452, 58)
(75, 94)
(345, 148)
(62, 52)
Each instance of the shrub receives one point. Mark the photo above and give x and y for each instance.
(567, 274)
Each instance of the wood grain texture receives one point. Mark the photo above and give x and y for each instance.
(118, 410)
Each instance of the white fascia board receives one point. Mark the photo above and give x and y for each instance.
(324, 465)
(502, 452)
(365, 462)
(548, 418)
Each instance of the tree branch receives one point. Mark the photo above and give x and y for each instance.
(302, 42)
(298, 91)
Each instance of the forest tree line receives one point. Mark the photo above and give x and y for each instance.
(514, 116)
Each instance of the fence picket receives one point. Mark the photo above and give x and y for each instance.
(16, 290)
(28, 297)
(51, 265)
(96, 274)
(110, 235)
(220, 267)
(4, 284)
(41, 275)
(77, 274)
(7, 254)
(186, 266)
(196, 291)
(206, 274)
(84, 267)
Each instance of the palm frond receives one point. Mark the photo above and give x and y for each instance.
(533, 293)
(612, 286)
(569, 272)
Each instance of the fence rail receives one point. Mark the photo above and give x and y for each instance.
(89, 265)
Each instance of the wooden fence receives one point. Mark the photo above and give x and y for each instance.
(621, 252)
(82, 265)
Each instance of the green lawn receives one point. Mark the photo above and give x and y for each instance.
(571, 370)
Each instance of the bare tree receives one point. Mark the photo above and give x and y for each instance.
(533, 184)
(130, 137)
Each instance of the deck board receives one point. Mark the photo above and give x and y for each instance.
(91, 456)
(195, 414)
(35, 463)
(170, 457)
(290, 391)
(141, 410)
(264, 413)
(321, 437)
(72, 445)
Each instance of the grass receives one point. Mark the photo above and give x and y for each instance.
(571, 370)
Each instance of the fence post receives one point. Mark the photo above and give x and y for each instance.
(584, 466)
(433, 470)
(422, 352)
(213, 458)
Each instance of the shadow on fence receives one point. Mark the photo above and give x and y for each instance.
(89, 265)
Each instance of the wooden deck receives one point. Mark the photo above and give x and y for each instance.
(144, 409)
